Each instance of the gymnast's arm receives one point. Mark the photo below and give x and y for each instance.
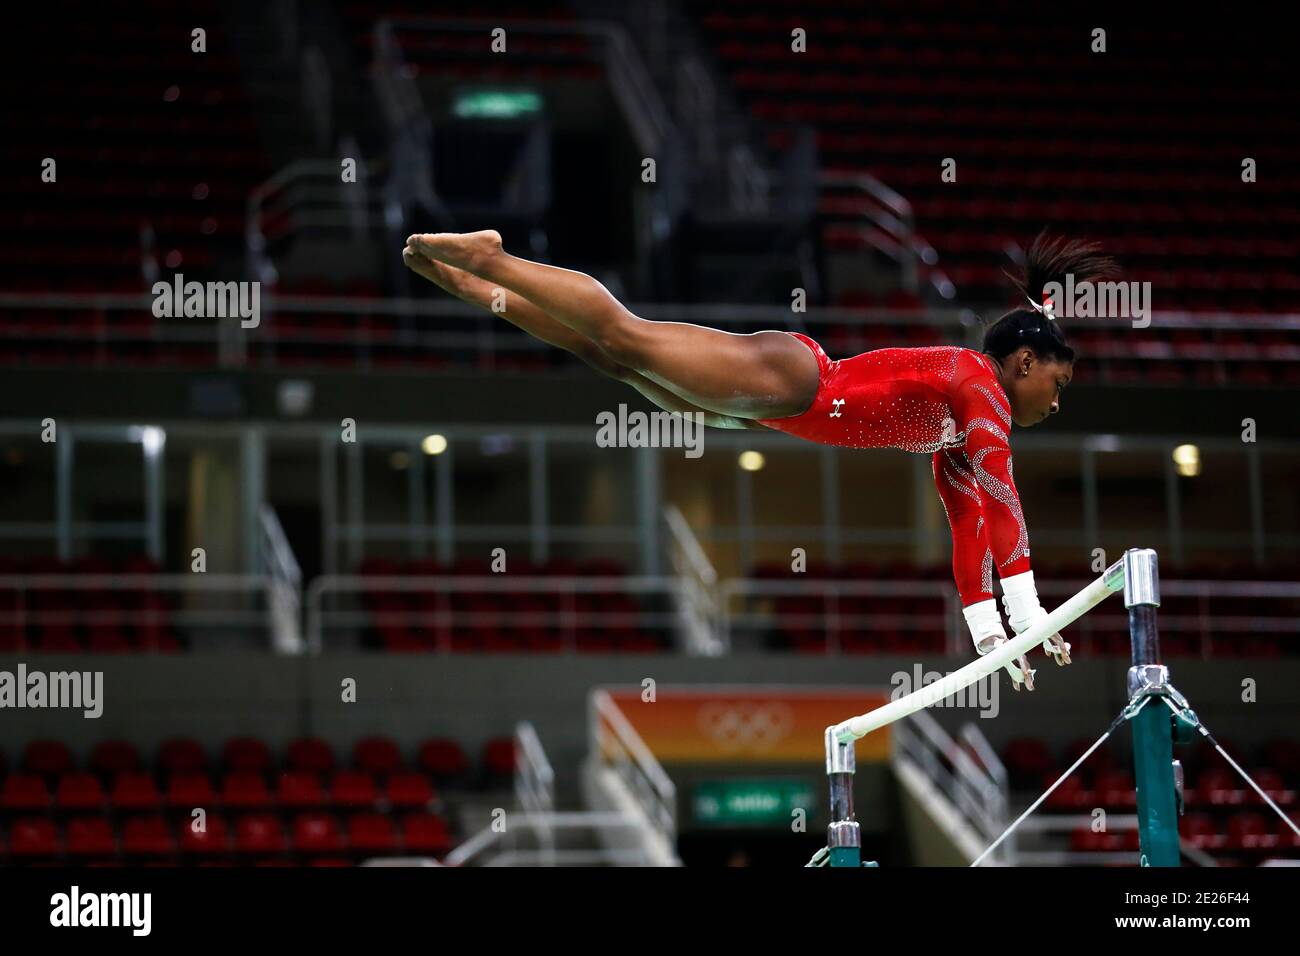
(984, 413)
(972, 563)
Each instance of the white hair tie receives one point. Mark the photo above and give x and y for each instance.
(1045, 308)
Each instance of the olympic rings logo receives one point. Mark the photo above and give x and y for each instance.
(746, 724)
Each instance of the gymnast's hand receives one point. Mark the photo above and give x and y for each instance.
(986, 632)
(1020, 598)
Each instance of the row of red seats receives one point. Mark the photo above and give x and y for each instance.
(521, 621)
(31, 838)
(1029, 761)
(817, 639)
(1176, 357)
(128, 791)
(440, 758)
(397, 639)
(197, 102)
(1214, 787)
(1248, 833)
(1215, 569)
(72, 620)
(517, 566)
(874, 84)
(803, 640)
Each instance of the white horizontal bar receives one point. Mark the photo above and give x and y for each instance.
(1069, 612)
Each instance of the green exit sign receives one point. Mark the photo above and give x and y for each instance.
(768, 801)
(495, 104)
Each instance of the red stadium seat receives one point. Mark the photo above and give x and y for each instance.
(350, 788)
(147, 836)
(114, 756)
(376, 755)
(90, 836)
(24, 791)
(1116, 788)
(310, 755)
(213, 839)
(246, 755)
(135, 791)
(1218, 787)
(47, 757)
(244, 791)
(1071, 796)
(299, 790)
(259, 833)
(407, 790)
(443, 759)
(1086, 840)
(1027, 760)
(499, 757)
(1271, 782)
(1250, 831)
(34, 838)
(1199, 830)
(372, 833)
(425, 833)
(182, 755)
(316, 833)
(189, 790)
(79, 791)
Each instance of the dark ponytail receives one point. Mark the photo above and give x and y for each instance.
(1048, 260)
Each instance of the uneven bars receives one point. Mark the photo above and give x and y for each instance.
(1111, 580)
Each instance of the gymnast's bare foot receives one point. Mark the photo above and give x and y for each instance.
(470, 251)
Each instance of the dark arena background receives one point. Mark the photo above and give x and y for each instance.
(306, 562)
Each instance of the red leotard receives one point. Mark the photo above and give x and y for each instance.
(946, 402)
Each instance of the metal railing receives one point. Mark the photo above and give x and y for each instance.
(535, 786)
(1058, 826)
(973, 792)
(284, 594)
(224, 605)
(738, 597)
(473, 852)
(698, 599)
(439, 621)
(633, 89)
(615, 745)
(122, 323)
(1198, 629)
(887, 224)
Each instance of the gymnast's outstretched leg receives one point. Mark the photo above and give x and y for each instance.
(762, 375)
(525, 315)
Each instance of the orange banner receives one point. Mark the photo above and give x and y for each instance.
(751, 724)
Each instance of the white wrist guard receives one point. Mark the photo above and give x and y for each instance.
(985, 624)
(1020, 598)
(987, 633)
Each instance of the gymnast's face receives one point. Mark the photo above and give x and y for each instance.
(1034, 386)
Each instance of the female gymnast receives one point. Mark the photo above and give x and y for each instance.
(952, 403)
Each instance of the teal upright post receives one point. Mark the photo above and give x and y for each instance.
(1153, 758)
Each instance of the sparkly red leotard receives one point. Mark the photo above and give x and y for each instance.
(946, 402)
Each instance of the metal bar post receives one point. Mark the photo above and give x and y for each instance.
(843, 836)
(1153, 756)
